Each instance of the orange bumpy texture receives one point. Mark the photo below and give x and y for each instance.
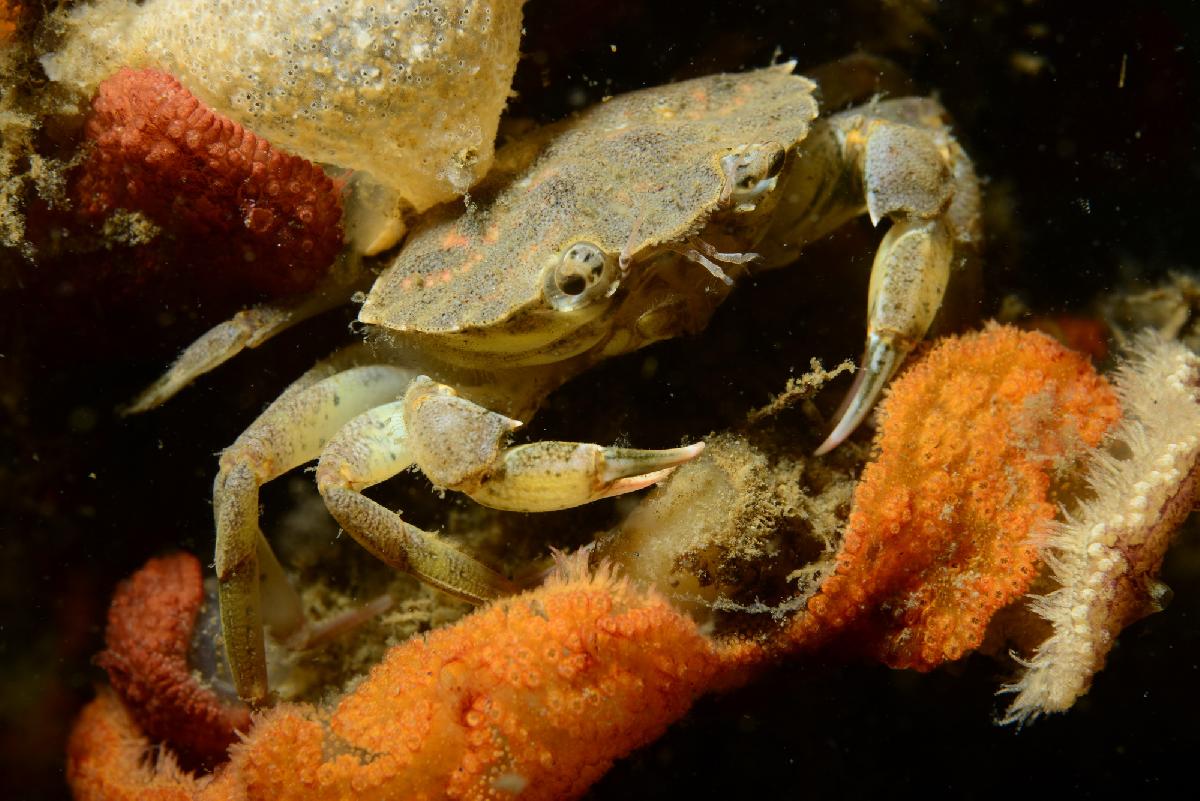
(269, 219)
(149, 632)
(108, 759)
(10, 19)
(946, 519)
(538, 693)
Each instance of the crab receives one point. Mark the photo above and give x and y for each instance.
(621, 226)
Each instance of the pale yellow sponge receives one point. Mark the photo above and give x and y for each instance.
(407, 91)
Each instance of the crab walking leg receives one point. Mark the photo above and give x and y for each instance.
(292, 431)
(459, 445)
(368, 450)
(248, 328)
(913, 173)
(219, 344)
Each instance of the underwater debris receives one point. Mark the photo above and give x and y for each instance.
(692, 535)
(1172, 308)
(724, 532)
(16, 134)
(25, 174)
(947, 517)
(1107, 553)
(150, 624)
(160, 152)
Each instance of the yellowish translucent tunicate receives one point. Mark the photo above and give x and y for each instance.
(407, 91)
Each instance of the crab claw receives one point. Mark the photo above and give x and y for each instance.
(880, 361)
(908, 281)
(543, 476)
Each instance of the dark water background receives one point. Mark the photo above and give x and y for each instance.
(1090, 184)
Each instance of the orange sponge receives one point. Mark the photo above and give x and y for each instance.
(538, 693)
(947, 518)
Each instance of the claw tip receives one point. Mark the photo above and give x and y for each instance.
(880, 361)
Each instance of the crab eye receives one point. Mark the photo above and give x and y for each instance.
(750, 172)
(581, 274)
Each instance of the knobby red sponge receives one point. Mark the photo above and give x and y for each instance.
(270, 218)
(149, 632)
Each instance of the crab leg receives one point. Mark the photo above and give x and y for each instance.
(289, 433)
(372, 448)
(913, 173)
(544, 476)
(460, 445)
(908, 280)
(248, 328)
